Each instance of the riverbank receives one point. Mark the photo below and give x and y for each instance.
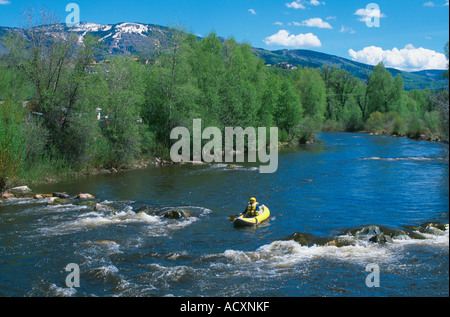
(41, 176)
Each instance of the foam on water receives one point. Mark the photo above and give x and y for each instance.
(289, 253)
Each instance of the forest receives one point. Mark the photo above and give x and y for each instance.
(64, 111)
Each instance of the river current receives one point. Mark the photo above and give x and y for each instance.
(338, 193)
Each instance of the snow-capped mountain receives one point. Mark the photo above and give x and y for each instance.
(122, 38)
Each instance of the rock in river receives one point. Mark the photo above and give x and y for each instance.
(61, 195)
(20, 190)
(381, 239)
(85, 196)
(177, 214)
(58, 201)
(301, 238)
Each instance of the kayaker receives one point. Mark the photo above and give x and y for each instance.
(252, 209)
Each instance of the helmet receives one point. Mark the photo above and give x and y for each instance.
(253, 199)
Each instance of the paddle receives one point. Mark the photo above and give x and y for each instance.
(233, 217)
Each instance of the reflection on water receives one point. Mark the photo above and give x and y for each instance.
(131, 248)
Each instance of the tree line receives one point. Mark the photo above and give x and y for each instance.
(51, 89)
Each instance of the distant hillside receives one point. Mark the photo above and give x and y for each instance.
(144, 39)
(305, 58)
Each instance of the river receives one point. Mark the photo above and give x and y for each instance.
(323, 190)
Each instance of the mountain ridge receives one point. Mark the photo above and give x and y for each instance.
(133, 38)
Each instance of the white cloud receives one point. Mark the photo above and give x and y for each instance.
(446, 3)
(284, 38)
(4, 2)
(295, 5)
(429, 4)
(316, 3)
(366, 15)
(278, 23)
(314, 23)
(252, 11)
(345, 29)
(408, 58)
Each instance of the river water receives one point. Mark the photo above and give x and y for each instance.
(322, 190)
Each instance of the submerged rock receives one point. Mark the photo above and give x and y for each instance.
(148, 210)
(61, 195)
(381, 239)
(339, 242)
(177, 214)
(88, 203)
(366, 231)
(433, 228)
(99, 207)
(58, 201)
(301, 238)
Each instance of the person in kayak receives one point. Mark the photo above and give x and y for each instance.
(252, 209)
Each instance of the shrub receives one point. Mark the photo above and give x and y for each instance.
(12, 141)
(375, 123)
(415, 127)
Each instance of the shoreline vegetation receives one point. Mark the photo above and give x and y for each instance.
(67, 111)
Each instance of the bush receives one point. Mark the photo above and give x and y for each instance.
(333, 125)
(36, 140)
(375, 123)
(12, 141)
(395, 124)
(432, 122)
(353, 117)
(311, 127)
(415, 127)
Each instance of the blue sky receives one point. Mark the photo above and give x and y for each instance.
(411, 33)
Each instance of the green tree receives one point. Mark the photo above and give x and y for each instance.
(171, 89)
(121, 97)
(47, 55)
(288, 112)
(383, 91)
(312, 90)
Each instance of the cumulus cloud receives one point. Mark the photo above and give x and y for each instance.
(314, 22)
(429, 4)
(295, 5)
(366, 15)
(408, 58)
(284, 38)
(252, 11)
(4, 2)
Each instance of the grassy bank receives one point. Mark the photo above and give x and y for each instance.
(428, 128)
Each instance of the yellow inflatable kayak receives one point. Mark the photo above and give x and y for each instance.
(242, 221)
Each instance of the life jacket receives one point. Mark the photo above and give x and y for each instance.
(251, 209)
